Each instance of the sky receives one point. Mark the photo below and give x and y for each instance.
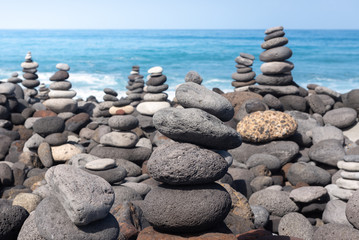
(178, 14)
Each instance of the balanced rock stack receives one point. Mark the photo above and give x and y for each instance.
(60, 93)
(154, 99)
(43, 92)
(135, 86)
(19, 92)
(244, 75)
(109, 98)
(29, 68)
(73, 208)
(276, 71)
(189, 201)
(14, 78)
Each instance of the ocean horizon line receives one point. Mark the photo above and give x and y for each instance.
(170, 29)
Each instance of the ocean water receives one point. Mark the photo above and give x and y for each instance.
(103, 58)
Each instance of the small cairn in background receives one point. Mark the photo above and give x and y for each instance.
(244, 75)
(29, 67)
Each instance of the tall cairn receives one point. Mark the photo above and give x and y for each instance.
(189, 200)
(244, 75)
(276, 77)
(29, 67)
(60, 91)
(135, 86)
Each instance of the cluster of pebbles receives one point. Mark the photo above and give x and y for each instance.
(29, 67)
(244, 75)
(135, 86)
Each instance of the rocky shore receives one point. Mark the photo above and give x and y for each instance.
(270, 160)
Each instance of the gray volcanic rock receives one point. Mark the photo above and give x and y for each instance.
(261, 216)
(47, 125)
(192, 95)
(11, 220)
(274, 90)
(44, 152)
(273, 102)
(277, 80)
(334, 231)
(171, 209)
(296, 225)
(327, 132)
(270, 161)
(335, 212)
(185, 164)
(196, 126)
(274, 35)
(29, 230)
(276, 54)
(307, 173)
(273, 29)
(5, 143)
(157, 89)
(70, 185)
(60, 76)
(62, 85)
(274, 42)
(53, 222)
(294, 102)
(351, 99)
(276, 202)
(283, 150)
(327, 151)
(112, 175)
(193, 76)
(271, 68)
(307, 194)
(243, 77)
(137, 154)
(341, 117)
(123, 123)
(124, 194)
(352, 211)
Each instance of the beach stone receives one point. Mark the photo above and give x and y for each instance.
(64, 152)
(276, 54)
(47, 125)
(271, 162)
(273, 102)
(123, 123)
(327, 132)
(29, 201)
(63, 66)
(294, 102)
(113, 175)
(274, 90)
(155, 97)
(7, 88)
(30, 83)
(53, 222)
(276, 202)
(243, 77)
(132, 169)
(238, 84)
(266, 126)
(109, 97)
(193, 76)
(196, 126)
(351, 210)
(157, 89)
(44, 113)
(75, 123)
(150, 108)
(124, 194)
(29, 230)
(274, 35)
(191, 95)
(5, 143)
(60, 76)
(352, 99)
(336, 192)
(70, 193)
(261, 182)
(244, 69)
(6, 175)
(349, 175)
(11, 220)
(352, 132)
(34, 141)
(273, 29)
(62, 85)
(80, 160)
(62, 93)
(261, 216)
(327, 91)
(316, 104)
(140, 188)
(247, 55)
(45, 155)
(243, 61)
(155, 70)
(59, 105)
(335, 213)
(101, 164)
(347, 184)
(136, 155)
(56, 139)
(277, 80)
(185, 164)
(274, 42)
(121, 110)
(335, 231)
(170, 209)
(307, 173)
(341, 117)
(349, 166)
(307, 194)
(119, 139)
(276, 67)
(110, 91)
(295, 225)
(327, 152)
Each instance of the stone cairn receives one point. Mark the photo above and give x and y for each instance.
(244, 75)
(348, 182)
(60, 94)
(108, 99)
(135, 86)
(188, 200)
(19, 92)
(154, 98)
(14, 78)
(43, 92)
(29, 68)
(63, 214)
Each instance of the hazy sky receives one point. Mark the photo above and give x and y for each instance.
(179, 14)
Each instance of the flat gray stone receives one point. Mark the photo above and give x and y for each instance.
(340, 117)
(307, 173)
(274, 42)
(276, 67)
(327, 132)
(335, 231)
(136, 155)
(276, 80)
(276, 54)
(274, 90)
(327, 152)
(273, 29)
(307, 194)
(119, 139)
(193, 76)
(270, 161)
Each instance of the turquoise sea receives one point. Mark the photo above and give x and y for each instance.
(103, 58)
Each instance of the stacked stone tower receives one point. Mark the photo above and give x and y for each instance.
(244, 75)
(29, 67)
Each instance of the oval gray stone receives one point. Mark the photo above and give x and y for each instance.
(352, 211)
(335, 213)
(61, 85)
(327, 152)
(184, 163)
(193, 76)
(340, 117)
(278, 80)
(243, 77)
(295, 225)
(270, 161)
(272, 68)
(192, 95)
(273, 29)
(334, 231)
(196, 126)
(308, 173)
(274, 42)
(174, 209)
(276, 54)
(274, 35)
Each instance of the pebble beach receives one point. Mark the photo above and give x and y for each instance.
(263, 158)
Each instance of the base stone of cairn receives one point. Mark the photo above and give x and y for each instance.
(135, 86)
(244, 75)
(154, 98)
(29, 67)
(189, 201)
(276, 77)
(60, 93)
